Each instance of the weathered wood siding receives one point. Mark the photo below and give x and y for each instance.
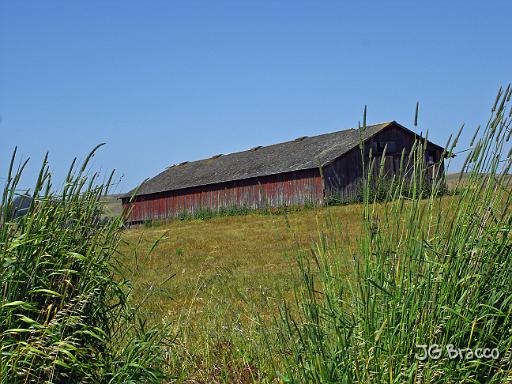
(344, 176)
(341, 180)
(287, 189)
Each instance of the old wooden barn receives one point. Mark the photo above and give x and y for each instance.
(307, 170)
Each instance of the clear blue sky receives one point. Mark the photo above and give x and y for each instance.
(166, 81)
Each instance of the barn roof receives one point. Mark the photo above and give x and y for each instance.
(299, 154)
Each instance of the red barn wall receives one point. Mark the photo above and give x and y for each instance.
(286, 189)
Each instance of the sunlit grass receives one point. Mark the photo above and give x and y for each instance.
(228, 275)
(63, 316)
(341, 294)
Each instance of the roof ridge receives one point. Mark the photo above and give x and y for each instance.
(385, 123)
(282, 157)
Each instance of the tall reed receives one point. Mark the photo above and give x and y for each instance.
(432, 271)
(64, 318)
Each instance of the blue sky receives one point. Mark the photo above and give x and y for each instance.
(162, 82)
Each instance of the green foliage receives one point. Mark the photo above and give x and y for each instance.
(64, 318)
(207, 213)
(427, 274)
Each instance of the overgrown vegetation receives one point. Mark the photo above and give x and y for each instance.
(208, 214)
(427, 277)
(229, 273)
(63, 316)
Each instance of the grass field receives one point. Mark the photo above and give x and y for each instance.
(452, 179)
(112, 206)
(228, 275)
(218, 285)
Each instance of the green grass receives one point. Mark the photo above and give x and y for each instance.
(427, 276)
(63, 316)
(229, 277)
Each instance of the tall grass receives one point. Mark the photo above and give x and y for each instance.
(431, 272)
(64, 318)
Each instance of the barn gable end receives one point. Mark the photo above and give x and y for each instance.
(343, 177)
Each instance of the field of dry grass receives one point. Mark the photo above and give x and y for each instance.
(218, 285)
(213, 281)
(112, 206)
(252, 250)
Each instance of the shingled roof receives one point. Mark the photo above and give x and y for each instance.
(299, 154)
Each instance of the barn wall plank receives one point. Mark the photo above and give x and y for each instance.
(289, 189)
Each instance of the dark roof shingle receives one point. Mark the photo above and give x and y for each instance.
(298, 154)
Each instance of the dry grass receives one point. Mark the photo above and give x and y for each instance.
(226, 274)
(456, 179)
(216, 284)
(112, 206)
(250, 252)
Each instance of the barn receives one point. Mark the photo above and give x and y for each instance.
(307, 170)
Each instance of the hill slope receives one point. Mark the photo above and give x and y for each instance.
(228, 273)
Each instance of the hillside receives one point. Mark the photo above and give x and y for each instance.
(112, 206)
(218, 285)
(253, 252)
(453, 178)
(212, 280)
